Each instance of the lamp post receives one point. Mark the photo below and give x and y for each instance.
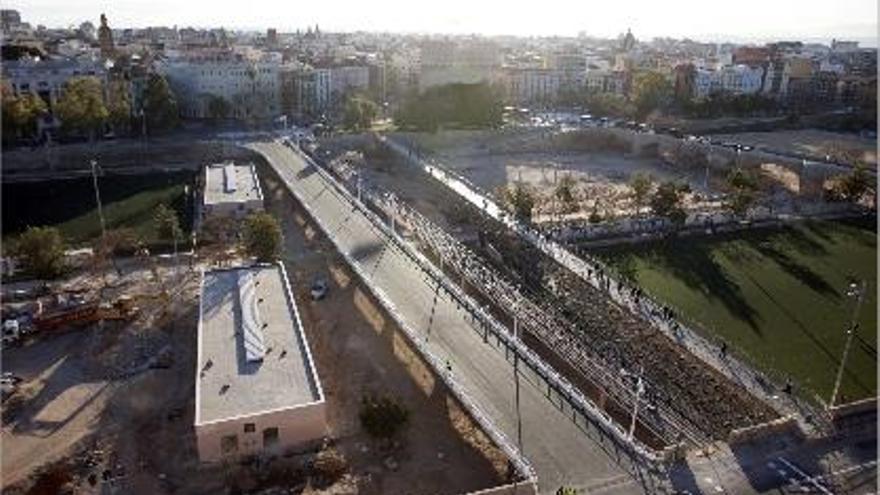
(640, 388)
(516, 339)
(94, 165)
(856, 290)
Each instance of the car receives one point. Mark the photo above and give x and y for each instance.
(747, 148)
(319, 289)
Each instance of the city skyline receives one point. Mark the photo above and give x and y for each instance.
(806, 21)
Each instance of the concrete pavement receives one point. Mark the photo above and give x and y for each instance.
(561, 451)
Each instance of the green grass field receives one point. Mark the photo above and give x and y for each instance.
(129, 201)
(777, 295)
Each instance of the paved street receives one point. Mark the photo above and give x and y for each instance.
(560, 451)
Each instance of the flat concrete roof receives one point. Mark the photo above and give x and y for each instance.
(246, 187)
(228, 385)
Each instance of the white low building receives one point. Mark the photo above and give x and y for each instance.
(257, 389)
(230, 192)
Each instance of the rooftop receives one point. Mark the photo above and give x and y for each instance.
(253, 355)
(230, 183)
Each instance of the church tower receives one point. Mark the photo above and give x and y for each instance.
(105, 38)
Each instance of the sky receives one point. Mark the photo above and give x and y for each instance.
(706, 20)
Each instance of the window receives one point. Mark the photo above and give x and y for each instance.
(250, 427)
(229, 444)
(270, 437)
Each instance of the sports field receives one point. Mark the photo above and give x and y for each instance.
(129, 201)
(777, 295)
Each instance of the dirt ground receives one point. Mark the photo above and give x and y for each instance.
(93, 416)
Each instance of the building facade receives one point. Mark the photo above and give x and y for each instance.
(251, 88)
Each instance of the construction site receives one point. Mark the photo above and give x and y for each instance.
(524, 368)
(99, 392)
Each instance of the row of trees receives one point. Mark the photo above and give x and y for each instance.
(87, 106)
(359, 113)
(666, 199)
(726, 104)
(460, 105)
(41, 249)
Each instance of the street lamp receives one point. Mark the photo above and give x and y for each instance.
(856, 290)
(94, 165)
(640, 389)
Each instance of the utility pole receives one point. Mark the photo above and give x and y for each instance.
(94, 164)
(858, 291)
(516, 339)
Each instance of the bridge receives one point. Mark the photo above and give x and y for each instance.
(524, 408)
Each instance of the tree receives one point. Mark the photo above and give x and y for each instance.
(41, 250)
(651, 90)
(690, 157)
(160, 104)
(565, 193)
(382, 416)
(20, 113)
(262, 236)
(668, 201)
(359, 113)
(119, 105)
(640, 183)
(81, 107)
(464, 105)
(166, 224)
(743, 191)
(218, 108)
(855, 185)
(520, 200)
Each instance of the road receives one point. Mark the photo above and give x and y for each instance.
(560, 451)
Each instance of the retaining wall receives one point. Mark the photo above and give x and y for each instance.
(786, 424)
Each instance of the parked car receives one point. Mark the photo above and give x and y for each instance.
(319, 289)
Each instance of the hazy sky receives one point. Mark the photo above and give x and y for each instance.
(700, 19)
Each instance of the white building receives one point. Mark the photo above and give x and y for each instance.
(257, 390)
(347, 78)
(605, 81)
(46, 78)
(449, 61)
(735, 79)
(252, 88)
(532, 85)
(230, 192)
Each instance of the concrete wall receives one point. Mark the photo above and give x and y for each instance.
(123, 155)
(528, 487)
(786, 424)
(232, 210)
(297, 427)
(853, 408)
